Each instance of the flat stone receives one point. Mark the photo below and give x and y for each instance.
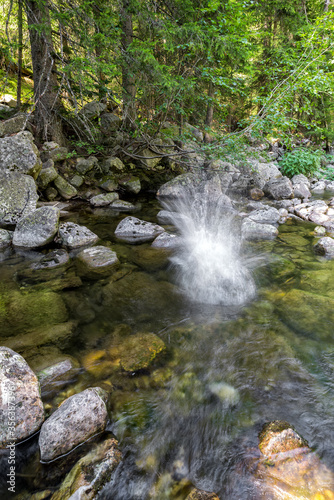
(72, 235)
(134, 230)
(18, 153)
(64, 188)
(37, 229)
(77, 419)
(96, 262)
(123, 206)
(18, 197)
(103, 200)
(22, 411)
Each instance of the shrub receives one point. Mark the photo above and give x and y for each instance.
(301, 161)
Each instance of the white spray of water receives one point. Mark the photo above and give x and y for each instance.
(209, 266)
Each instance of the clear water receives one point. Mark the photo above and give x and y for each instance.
(195, 414)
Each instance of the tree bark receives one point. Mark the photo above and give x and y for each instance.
(128, 78)
(47, 102)
(19, 55)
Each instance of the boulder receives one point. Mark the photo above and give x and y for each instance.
(37, 229)
(96, 262)
(103, 200)
(5, 238)
(77, 419)
(270, 215)
(109, 123)
(195, 132)
(113, 164)
(264, 173)
(300, 190)
(177, 187)
(166, 240)
(51, 193)
(134, 230)
(279, 189)
(57, 154)
(91, 473)
(330, 187)
(84, 165)
(123, 206)
(138, 351)
(13, 125)
(77, 181)
(300, 179)
(319, 187)
(22, 411)
(18, 197)
(65, 189)
(18, 153)
(92, 110)
(130, 184)
(257, 231)
(325, 247)
(149, 158)
(55, 377)
(109, 184)
(47, 175)
(71, 235)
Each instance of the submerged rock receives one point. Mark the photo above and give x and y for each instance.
(134, 230)
(37, 229)
(197, 494)
(18, 197)
(53, 378)
(19, 154)
(289, 466)
(308, 313)
(71, 235)
(123, 206)
(166, 240)
(77, 419)
(97, 262)
(91, 473)
(22, 411)
(138, 351)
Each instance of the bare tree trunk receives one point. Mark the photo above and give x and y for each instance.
(47, 102)
(19, 56)
(327, 4)
(209, 111)
(128, 78)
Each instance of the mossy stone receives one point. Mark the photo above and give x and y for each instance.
(138, 351)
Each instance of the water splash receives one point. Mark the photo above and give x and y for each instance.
(208, 260)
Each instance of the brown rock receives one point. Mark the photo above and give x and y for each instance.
(256, 194)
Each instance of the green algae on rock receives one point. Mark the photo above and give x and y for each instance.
(138, 351)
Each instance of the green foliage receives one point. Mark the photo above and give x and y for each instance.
(301, 161)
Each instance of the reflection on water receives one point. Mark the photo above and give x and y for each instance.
(193, 416)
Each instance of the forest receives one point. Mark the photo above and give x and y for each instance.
(229, 68)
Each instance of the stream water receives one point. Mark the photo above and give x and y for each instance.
(234, 357)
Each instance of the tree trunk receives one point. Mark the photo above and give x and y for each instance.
(209, 111)
(47, 102)
(128, 79)
(19, 56)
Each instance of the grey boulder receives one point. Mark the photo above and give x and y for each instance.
(325, 247)
(255, 231)
(279, 189)
(134, 230)
(103, 200)
(71, 235)
(78, 418)
(37, 229)
(269, 215)
(18, 153)
(18, 197)
(96, 262)
(21, 407)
